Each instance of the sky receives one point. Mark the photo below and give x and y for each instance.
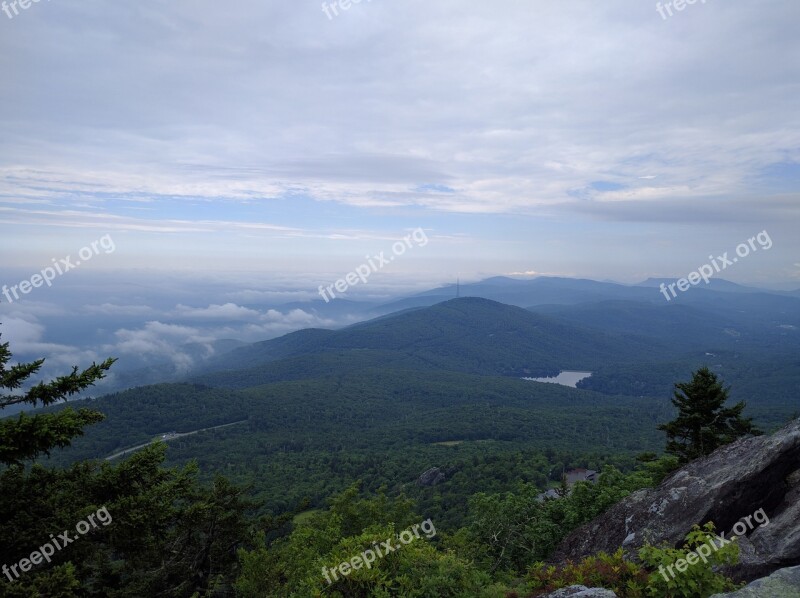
(277, 145)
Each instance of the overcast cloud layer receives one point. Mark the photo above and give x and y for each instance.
(578, 138)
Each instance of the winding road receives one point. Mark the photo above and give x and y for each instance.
(169, 438)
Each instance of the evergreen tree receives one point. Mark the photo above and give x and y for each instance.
(704, 423)
(27, 437)
(169, 536)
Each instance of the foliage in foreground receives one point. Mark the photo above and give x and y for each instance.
(168, 536)
(293, 566)
(651, 579)
(510, 531)
(699, 580)
(610, 571)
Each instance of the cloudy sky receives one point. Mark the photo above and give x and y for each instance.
(289, 141)
(578, 138)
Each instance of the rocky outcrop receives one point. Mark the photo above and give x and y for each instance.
(784, 583)
(581, 592)
(725, 487)
(431, 477)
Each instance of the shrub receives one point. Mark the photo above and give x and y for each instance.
(698, 580)
(611, 571)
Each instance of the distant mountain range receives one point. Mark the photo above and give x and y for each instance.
(634, 341)
(385, 399)
(566, 323)
(556, 290)
(470, 335)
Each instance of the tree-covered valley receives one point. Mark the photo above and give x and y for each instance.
(423, 414)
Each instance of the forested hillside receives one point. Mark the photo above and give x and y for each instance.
(384, 401)
(367, 410)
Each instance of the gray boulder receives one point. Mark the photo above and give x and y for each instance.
(725, 487)
(784, 583)
(581, 592)
(431, 477)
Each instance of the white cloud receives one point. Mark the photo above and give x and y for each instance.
(25, 341)
(281, 135)
(229, 311)
(511, 105)
(158, 342)
(21, 332)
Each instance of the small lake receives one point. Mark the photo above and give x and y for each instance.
(565, 378)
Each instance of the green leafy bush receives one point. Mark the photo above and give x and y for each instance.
(299, 565)
(658, 577)
(612, 571)
(514, 529)
(698, 580)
